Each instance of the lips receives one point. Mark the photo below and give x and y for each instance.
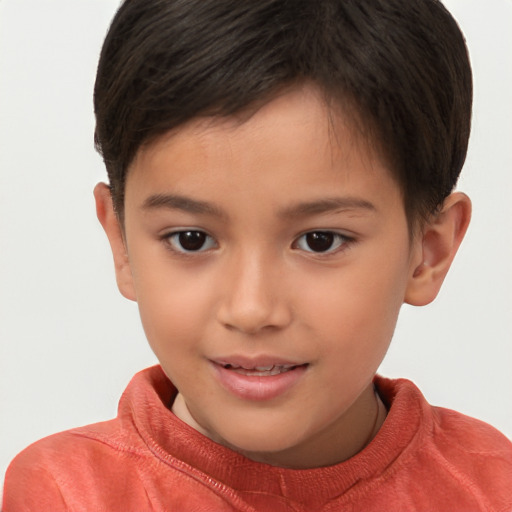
(261, 379)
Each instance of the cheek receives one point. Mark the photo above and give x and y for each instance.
(173, 305)
(356, 309)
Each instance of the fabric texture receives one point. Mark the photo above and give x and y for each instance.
(423, 459)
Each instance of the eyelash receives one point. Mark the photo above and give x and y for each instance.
(339, 241)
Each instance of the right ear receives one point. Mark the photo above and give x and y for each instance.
(110, 222)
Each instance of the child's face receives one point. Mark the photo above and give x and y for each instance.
(294, 253)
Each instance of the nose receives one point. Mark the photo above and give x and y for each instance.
(254, 296)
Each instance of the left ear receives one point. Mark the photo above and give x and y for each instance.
(440, 240)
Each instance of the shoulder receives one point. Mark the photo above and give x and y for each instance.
(460, 437)
(473, 456)
(29, 485)
(88, 467)
(447, 455)
(474, 434)
(449, 429)
(53, 470)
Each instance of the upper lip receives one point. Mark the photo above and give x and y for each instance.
(251, 363)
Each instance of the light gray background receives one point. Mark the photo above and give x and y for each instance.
(69, 343)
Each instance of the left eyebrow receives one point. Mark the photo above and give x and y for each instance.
(331, 204)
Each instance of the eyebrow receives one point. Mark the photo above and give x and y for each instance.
(186, 204)
(330, 204)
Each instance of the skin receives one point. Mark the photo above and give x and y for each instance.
(257, 289)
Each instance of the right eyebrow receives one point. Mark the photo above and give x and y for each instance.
(183, 203)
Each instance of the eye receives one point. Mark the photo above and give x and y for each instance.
(190, 241)
(321, 241)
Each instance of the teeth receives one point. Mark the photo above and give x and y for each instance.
(261, 371)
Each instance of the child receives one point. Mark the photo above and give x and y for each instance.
(281, 179)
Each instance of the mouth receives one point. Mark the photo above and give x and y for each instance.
(259, 379)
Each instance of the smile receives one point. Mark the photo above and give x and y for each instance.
(258, 381)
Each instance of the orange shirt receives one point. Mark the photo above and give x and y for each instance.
(423, 459)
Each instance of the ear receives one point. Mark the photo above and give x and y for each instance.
(110, 222)
(440, 240)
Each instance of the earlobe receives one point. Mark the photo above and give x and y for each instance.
(440, 240)
(110, 222)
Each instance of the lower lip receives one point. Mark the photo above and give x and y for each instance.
(257, 388)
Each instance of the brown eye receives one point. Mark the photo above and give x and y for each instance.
(321, 241)
(191, 241)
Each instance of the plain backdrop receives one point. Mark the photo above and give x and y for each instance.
(69, 343)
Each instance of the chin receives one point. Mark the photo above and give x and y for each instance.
(258, 444)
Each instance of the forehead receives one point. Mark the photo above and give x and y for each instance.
(300, 111)
(295, 140)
